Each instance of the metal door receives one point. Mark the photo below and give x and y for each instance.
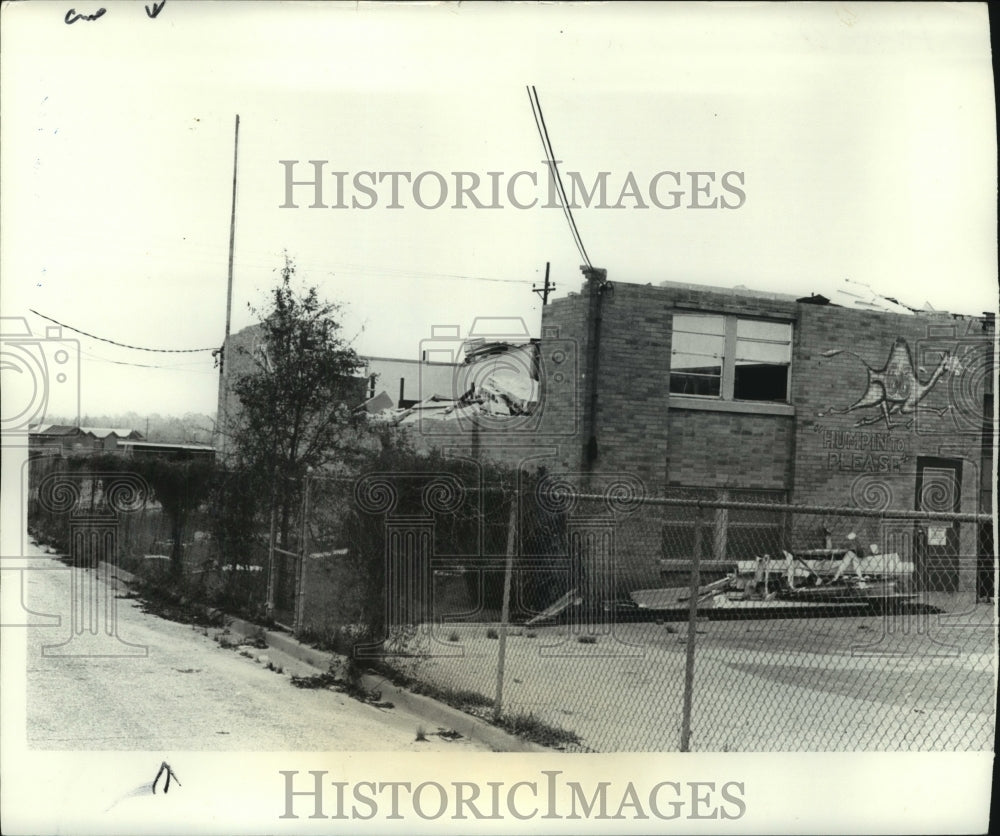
(939, 488)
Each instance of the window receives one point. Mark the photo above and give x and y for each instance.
(730, 358)
(698, 351)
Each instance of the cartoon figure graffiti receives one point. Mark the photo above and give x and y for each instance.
(895, 389)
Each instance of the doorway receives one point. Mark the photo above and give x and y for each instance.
(936, 553)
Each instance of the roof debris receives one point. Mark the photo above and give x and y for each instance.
(498, 379)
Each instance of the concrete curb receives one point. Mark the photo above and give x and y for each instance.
(434, 712)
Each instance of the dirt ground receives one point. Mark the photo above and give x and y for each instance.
(913, 681)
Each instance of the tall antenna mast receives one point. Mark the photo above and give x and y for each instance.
(220, 418)
(232, 239)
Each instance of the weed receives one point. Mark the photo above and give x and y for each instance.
(257, 640)
(317, 680)
(346, 682)
(246, 653)
(531, 634)
(491, 633)
(458, 698)
(421, 735)
(531, 728)
(587, 639)
(453, 636)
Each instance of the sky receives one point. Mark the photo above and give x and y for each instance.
(860, 140)
(863, 134)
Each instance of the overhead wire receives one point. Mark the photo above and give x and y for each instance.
(549, 151)
(121, 344)
(187, 368)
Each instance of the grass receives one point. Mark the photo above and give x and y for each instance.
(529, 727)
(337, 681)
(456, 697)
(525, 726)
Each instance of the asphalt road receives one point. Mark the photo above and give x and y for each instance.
(188, 692)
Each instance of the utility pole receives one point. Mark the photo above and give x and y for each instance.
(545, 290)
(232, 243)
(220, 418)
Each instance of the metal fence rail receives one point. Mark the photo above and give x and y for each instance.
(666, 623)
(615, 621)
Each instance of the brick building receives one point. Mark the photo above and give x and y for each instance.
(728, 393)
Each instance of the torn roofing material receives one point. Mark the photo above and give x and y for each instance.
(497, 379)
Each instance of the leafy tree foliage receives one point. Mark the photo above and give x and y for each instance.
(180, 487)
(295, 403)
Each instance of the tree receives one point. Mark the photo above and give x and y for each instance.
(295, 403)
(180, 487)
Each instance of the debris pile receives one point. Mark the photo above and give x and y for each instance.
(498, 379)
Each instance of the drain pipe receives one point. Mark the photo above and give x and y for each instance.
(597, 285)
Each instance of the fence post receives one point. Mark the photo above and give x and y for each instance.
(720, 529)
(300, 573)
(505, 608)
(271, 569)
(691, 632)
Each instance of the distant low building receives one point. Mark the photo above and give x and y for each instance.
(165, 450)
(380, 383)
(64, 440)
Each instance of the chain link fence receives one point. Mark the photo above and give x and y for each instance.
(619, 622)
(610, 620)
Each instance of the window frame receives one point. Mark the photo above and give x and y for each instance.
(726, 400)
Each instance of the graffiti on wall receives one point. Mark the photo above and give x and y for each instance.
(860, 451)
(896, 388)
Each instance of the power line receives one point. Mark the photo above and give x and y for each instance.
(123, 345)
(403, 273)
(547, 149)
(187, 368)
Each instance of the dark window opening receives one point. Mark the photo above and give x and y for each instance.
(691, 383)
(760, 383)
